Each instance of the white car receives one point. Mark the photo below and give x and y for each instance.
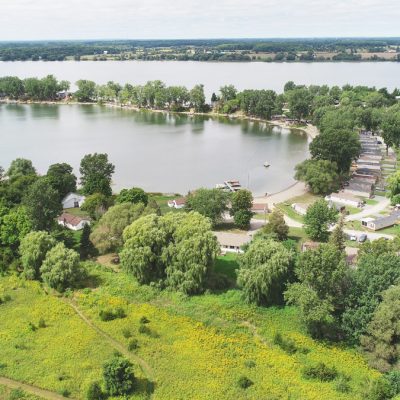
(353, 238)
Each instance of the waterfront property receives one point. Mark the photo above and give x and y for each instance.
(381, 222)
(72, 222)
(73, 200)
(260, 208)
(344, 199)
(177, 203)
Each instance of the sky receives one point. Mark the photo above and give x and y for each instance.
(189, 19)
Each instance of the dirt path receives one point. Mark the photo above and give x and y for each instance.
(114, 343)
(45, 394)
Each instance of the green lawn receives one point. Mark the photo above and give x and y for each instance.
(287, 209)
(371, 202)
(77, 212)
(16, 394)
(162, 202)
(227, 265)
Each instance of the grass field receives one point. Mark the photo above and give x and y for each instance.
(16, 394)
(193, 347)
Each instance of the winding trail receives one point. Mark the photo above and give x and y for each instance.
(45, 394)
(113, 342)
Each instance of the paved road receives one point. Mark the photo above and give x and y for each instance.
(376, 209)
(370, 235)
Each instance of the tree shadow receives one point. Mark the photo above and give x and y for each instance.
(144, 386)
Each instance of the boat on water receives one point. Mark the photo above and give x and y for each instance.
(266, 164)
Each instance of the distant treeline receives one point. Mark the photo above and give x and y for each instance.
(200, 50)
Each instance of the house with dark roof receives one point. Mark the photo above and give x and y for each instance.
(381, 222)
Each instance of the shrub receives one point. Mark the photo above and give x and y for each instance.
(42, 323)
(16, 394)
(249, 364)
(126, 333)
(65, 392)
(342, 384)
(245, 382)
(144, 320)
(32, 326)
(320, 372)
(94, 392)
(287, 345)
(118, 376)
(109, 315)
(144, 330)
(394, 382)
(133, 344)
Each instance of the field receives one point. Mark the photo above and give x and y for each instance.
(192, 348)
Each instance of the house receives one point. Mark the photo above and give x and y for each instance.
(345, 199)
(309, 246)
(300, 208)
(177, 203)
(260, 208)
(359, 189)
(381, 222)
(72, 222)
(73, 200)
(364, 178)
(232, 242)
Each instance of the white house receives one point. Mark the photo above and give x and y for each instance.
(73, 200)
(381, 222)
(300, 208)
(72, 222)
(177, 203)
(344, 199)
(232, 242)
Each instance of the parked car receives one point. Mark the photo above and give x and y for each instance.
(353, 238)
(362, 238)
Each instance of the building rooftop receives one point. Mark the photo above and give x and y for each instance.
(70, 219)
(232, 239)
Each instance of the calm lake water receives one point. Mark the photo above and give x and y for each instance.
(255, 75)
(156, 151)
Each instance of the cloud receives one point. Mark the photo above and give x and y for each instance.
(80, 19)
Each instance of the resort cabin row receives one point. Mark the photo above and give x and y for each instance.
(381, 222)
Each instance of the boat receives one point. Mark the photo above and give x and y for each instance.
(266, 164)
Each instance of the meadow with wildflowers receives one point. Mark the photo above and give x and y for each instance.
(192, 347)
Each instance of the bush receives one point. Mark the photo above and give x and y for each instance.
(133, 344)
(126, 333)
(65, 392)
(144, 330)
(249, 364)
(320, 372)
(32, 327)
(109, 315)
(118, 376)
(342, 384)
(144, 320)
(16, 394)
(94, 392)
(42, 323)
(287, 345)
(394, 381)
(245, 382)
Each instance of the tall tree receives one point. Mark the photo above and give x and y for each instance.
(241, 205)
(265, 268)
(277, 225)
(96, 172)
(61, 178)
(317, 220)
(133, 195)
(338, 237)
(42, 204)
(20, 167)
(320, 290)
(197, 98)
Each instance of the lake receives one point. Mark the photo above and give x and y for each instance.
(156, 151)
(253, 75)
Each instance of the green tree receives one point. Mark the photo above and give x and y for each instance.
(60, 269)
(61, 178)
(338, 237)
(107, 234)
(228, 92)
(134, 195)
(317, 220)
(241, 205)
(15, 224)
(96, 205)
(197, 98)
(265, 268)
(20, 167)
(96, 173)
(211, 203)
(337, 145)
(374, 274)
(390, 126)
(321, 176)
(33, 249)
(86, 248)
(42, 205)
(393, 186)
(299, 102)
(118, 376)
(277, 225)
(382, 340)
(86, 90)
(320, 290)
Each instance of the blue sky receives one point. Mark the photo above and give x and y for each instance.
(155, 19)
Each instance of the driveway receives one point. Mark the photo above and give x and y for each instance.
(384, 202)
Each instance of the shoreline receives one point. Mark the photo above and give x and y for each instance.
(296, 189)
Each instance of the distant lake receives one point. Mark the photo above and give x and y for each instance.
(254, 75)
(156, 151)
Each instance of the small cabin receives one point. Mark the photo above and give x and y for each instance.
(73, 200)
(72, 222)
